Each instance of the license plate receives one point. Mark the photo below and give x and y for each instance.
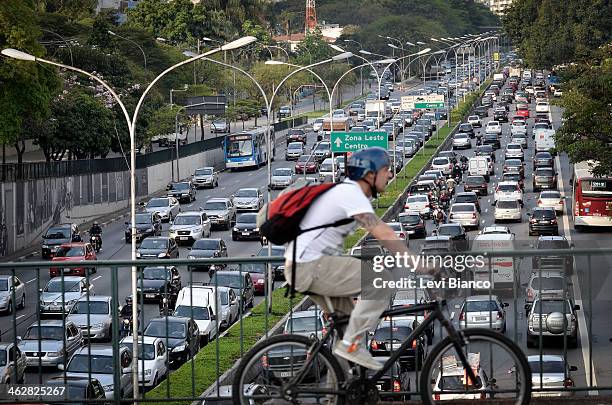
(481, 318)
(54, 248)
(545, 222)
(67, 270)
(245, 233)
(396, 346)
(379, 387)
(149, 295)
(285, 374)
(184, 237)
(54, 307)
(410, 232)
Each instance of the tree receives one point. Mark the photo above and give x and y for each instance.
(313, 49)
(163, 120)
(99, 34)
(74, 9)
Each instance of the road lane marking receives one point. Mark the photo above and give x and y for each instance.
(19, 317)
(30, 281)
(94, 279)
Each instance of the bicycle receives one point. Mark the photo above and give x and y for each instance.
(296, 369)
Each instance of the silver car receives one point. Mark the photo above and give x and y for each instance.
(11, 286)
(12, 364)
(483, 311)
(546, 319)
(514, 151)
(219, 126)
(61, 293)
(281, 178)
(166, 207)
(462, 141)
(205, 177)
(465, 214)
(43, 344)
(94, 317)
(306, 323)
(102, 362)
(546, 285)
(552, 199)
(294, 151)
(248, 199)
(551, 371)
(221, 212)
(508, 210)
(190, 226)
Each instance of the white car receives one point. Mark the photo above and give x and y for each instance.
(419, 203)
(475, 121)
(518, 127)
(462, 141)
(451, 376)
(465, 214)
(542, 107)
(166, 207)
(317, 125)
(190, 226)
(282, 177)
(508, 190)
(444, 164)
(339, 113)
(552, 199)
(551, 371)
(508, 210)
(493, 127)
(514, 151)
(330, 169)
(196, 302)
(306, 323)
(495, 230)
(155, 355)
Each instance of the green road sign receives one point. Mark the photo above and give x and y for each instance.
(429, 105)
(342, 142)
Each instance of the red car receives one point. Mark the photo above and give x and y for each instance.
(74, 252)
(306, 162)
(257, 271)
(523, 112)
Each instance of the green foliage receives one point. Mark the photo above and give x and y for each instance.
(313, 49)
(99, 34)
(112, 67)
(73, 9)
(163, 121)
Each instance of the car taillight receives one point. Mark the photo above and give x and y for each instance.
(483, 395)
(437, 397)
(374, 345)
(561, 202)
(401, 235)
(264, 361)
(499, 315)
(474, 215)
(414, 344)
(553, 221)
(462, 316)
(324, 330)
(396, 386)
(406, 206)
(530, 293)
(568, 382)
(539, 202)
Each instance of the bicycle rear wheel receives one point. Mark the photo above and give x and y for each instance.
(498, 363)
(266, 372)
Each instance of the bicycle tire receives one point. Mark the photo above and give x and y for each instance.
(238, 383)
(429, 367)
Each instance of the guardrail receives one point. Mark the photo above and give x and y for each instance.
(202, 359)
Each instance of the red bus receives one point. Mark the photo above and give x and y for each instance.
(592, 197)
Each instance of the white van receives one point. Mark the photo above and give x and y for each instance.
(544, 139)
(500, 270)
(479, 166)
(199, 302)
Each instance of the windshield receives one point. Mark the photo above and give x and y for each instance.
(462, 208)
(440, 161)
(544, 367)
(546, 214)
(206, 244)
(95, 308)
(507, 204)
(227, 280)
(473, 118)
(304, 324)
(465, 127)
(282, 172)
(416, 199)
(480, 306)
(325, 168)
(553, 244)
(199, 313)
(297, 146)
(4, 285)
(544, 172)
(514, 146)
(215, 206)
(398, 333)
(204, 172)
(154, 244)
(547, 307)
(143, 218)
(74, 251)
(179, 186)
(96, 364)
(156, 273)
(475, 180)
(145, 352)
(547, 283)
(466, 198)
(44, 332)
(322, 146)
(188, 220)
(461, 136)
(69, 286)
(454, 382)
(247, 219)
(238, 146)
(507, 188)
(253, 267)
(158, 202)
(246, 193)
(410, 219)
(57, 233)
(450, 230)
(172, 329)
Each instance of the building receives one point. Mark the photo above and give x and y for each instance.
(496, 6)
(330, 33)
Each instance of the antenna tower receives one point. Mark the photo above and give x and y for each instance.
(311, 17)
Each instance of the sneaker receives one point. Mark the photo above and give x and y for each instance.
(356, 353)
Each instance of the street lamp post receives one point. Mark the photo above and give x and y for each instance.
(63, 39)
(360, 70)
(133, 42)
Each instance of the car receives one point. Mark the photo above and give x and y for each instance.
(456, 233)
(183, 191)
(51, 342)
(282, 177)
(522, 111)
(545, 320)
(317, 125)
(493, 127)
(306, 163)
(220, 126)
(11, 286)
(495, 230)
(413, 224)
(546, 284)
(296, 135)
(564, 264)
(486, 102)
(147, 224)
(198, 303)
(407, 297)
(258, 272)
(542, 125)
(13, 363)
(419, 203)
(94, 317)
(228, 310)
(465, 214)
(477, 184)
(449, 154)
(284, 112)
(246, 227)
(467, 197)
(321, 151)
(513, 176)
(482, 111)
(518, 127)
(393, 380)
(278, 267)
(542, 107)
(248, 199)
(152, 359)
(389, 336)
(221, 212)
(309, 323)
(543, 159)
(329, 170)
(514, 151)
(500, 115)
(521, 139)
(294, 151)
(158, 247)
(207, 248)
(241, 283)
(78, 388)
(508, 209)
(508, 190)
(544, 177)
(543, 221)
(475, 121)
(101, 362)
(483, 311)
(491, 139)
(467, 128)
(156, 282)
(553, 199)
(56, 236)
(551, 371)
(396, 157)
(166, 207)
(444, 164)
(189, 226)
(205, 177)
(462, 141)
(399, 230)
(450, 376)
(485, 150)
(181, 335)
(60, 294)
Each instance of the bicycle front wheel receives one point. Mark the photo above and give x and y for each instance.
(500, 367)
(269, 372)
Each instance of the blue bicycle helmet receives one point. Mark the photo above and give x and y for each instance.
(365, 161)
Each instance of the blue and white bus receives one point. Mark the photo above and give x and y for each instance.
(248, 148)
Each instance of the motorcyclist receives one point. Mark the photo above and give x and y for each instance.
(96, 230)
(457, 172)
(439, 216)
(450, 185)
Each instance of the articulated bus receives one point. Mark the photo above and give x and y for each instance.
(592, 197)
(248, 148)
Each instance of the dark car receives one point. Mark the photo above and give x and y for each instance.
(486, 102)
(246, 227)
(306, 163)
(183, 191)
(500, 115)
(491, 139)
(467, 197)
(456, 233)
(477, 184)
(562, 263)
(389, 337)
(296, 135)
(277, 266)
(482, 111)
(485, 150)
(544, 178)
(241, 283)
(543, 159)
(514, 166)
(78, 388)
(507, 98)
(207, 249)
(147, 224)
(156, 282)
(56, 236)
(157, 247)
(284, 360)
(543, 221)
(181, 335)
(514, 177)
(413, 224)
(467, 129)
(284, 112)
(393, 380)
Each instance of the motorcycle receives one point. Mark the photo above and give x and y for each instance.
(439, 217)
(96, 242)
(165, 306)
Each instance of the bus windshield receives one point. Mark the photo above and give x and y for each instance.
(597, 187)
(239, 146)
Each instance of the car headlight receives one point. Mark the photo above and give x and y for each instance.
(98, 325)
(55, 354)
(256, 229)
(162, 255)
(236, 229)
(180, 348)
(150, 229)
(108, 387)
(137, 254)
(45, 246)
(148, 371)
(191, 257)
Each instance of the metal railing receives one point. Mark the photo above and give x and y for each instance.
(87, 339)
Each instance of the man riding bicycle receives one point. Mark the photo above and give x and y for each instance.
(322, 272)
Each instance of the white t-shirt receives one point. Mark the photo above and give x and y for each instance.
(343, 201)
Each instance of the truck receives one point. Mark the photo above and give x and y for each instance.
(544, 140)
(376, 109)
(499, 271)
(479, 166)
(516, 72)
(170, 139)
(498, 77)
(340, 124)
